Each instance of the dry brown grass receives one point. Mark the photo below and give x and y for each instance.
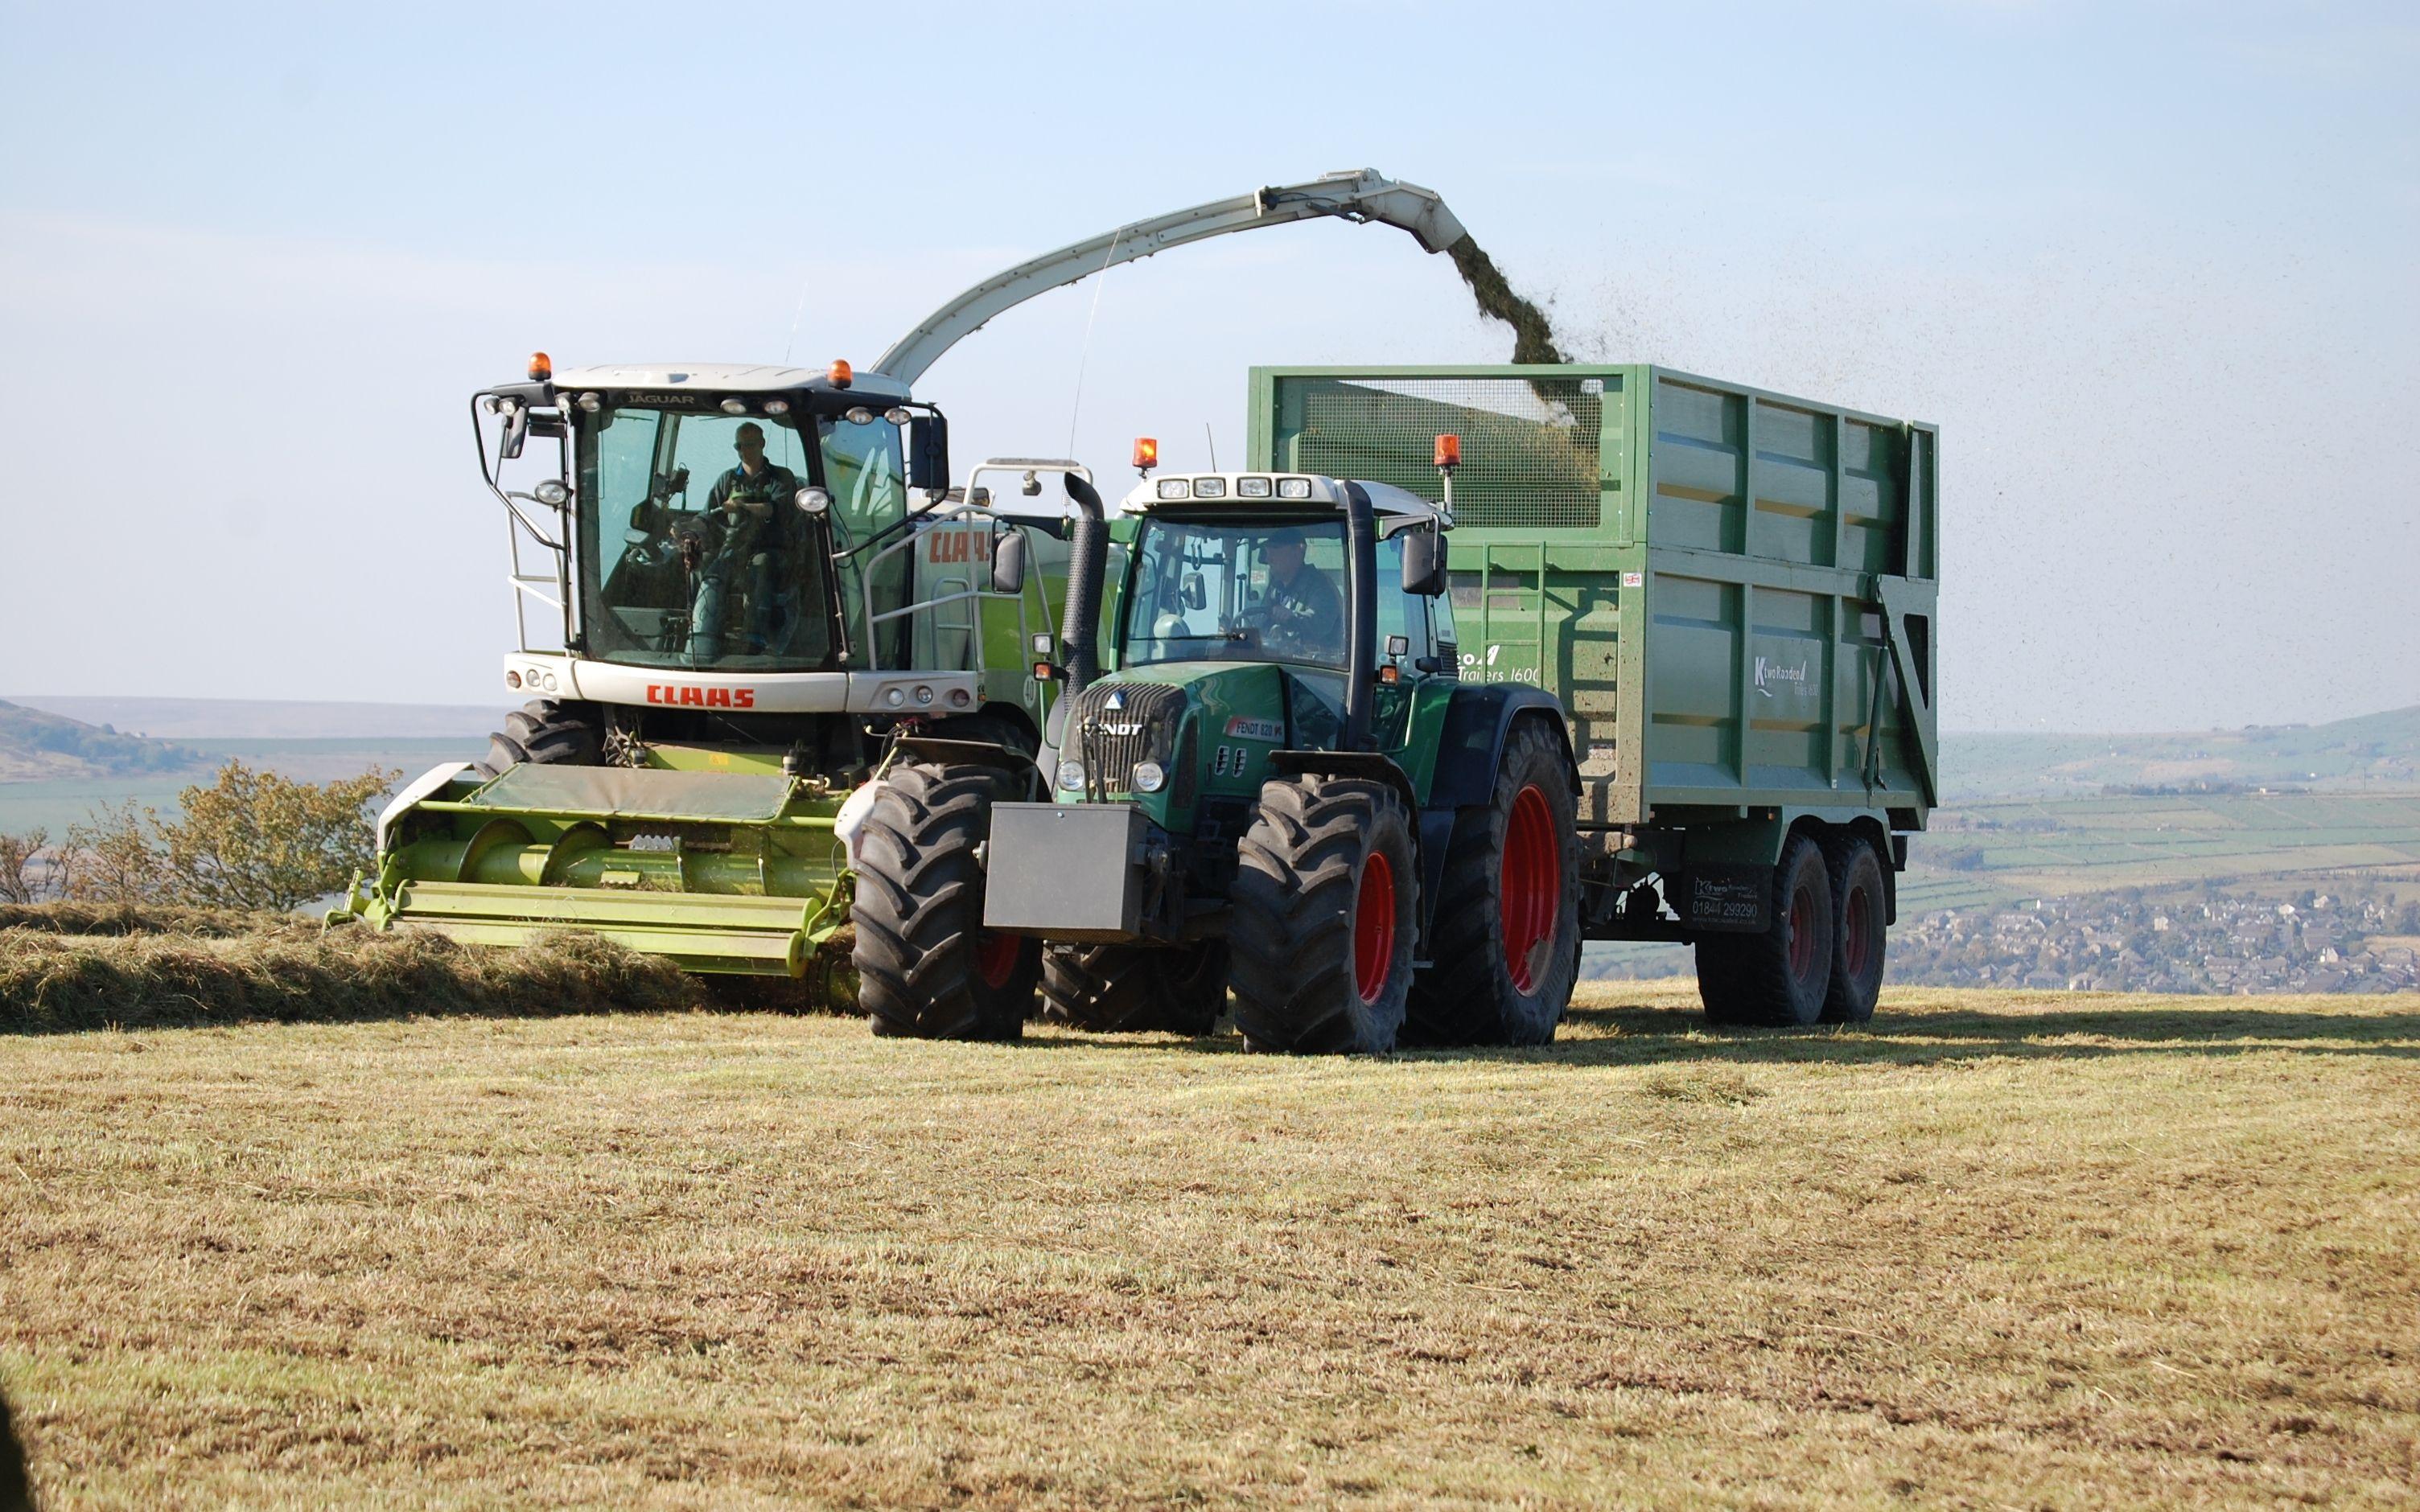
(2005, 1250)
(111, 967)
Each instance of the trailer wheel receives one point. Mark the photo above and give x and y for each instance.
(1506, 940)
(927, 968)
(1777, 978)
(547, 733)
(1326, 900)
(1113, 989)
(1859, 930)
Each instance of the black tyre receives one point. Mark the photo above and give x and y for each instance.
(1778, 977)
(548, 734)
(1506, 940)
(927, 968)
(1115, 989)
(16, 1487)
(1326, 900)
(1861, 928)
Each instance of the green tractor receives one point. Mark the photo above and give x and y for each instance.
(1283, 787)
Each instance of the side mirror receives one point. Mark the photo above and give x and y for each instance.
(1196, 596)
(515, 432)
(928, 453)
(1008, 562)
(1424, 557)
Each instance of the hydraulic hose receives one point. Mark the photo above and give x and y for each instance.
(1080, 626)
(1361, 614)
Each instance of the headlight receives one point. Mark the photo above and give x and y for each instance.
(859, 415)
(735, 406)
(1252, 487)
(1071, 775)
(894, 696)
(777, 406)
(1149, 777)
(1176, 487)
(552, 494)
(1209, 487)
(897, 416)
(1294, 487)
(812, 501)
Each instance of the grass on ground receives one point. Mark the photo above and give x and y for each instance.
(2004, 1249)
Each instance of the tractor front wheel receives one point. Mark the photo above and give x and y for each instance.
(927, 968)
(1326, 901)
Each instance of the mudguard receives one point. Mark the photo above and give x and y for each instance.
(1471, 745)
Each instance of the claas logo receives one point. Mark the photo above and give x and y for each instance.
(702, 698)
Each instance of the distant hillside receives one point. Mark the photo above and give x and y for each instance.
(2372, 751)
(276, 719)
(39, 747)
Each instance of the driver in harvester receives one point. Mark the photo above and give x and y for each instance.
(737, 542)
(1302, 613)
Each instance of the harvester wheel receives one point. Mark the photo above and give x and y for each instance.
(1326, 901)
(1777, 978)
(1860, 914)
(927, 968)
(1507, 935)
(548, 734)
(1112, 989)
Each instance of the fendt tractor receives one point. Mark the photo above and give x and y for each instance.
(1675, 683)
(753, 589)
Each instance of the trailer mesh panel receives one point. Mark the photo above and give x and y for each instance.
(1529, 446)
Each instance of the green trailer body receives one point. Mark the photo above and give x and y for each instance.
(1731, 592)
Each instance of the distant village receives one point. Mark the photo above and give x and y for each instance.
(2202, 942)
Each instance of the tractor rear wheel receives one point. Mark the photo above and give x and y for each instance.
(1776, 978)
(1506, 941)
(927, 968)
(1860, 915)
(548, 734)
(1113, 989)
(1326, 901)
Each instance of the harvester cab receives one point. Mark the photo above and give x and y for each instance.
(1279, 783)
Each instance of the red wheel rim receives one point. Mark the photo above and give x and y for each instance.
(1802, 931)
(1858, 919)
(995, 957)
(1374, 928)
(1530, 892)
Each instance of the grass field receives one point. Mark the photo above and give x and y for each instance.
(2005, 1250)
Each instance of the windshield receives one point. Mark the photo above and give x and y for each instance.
(1263, 592)
(694, 552)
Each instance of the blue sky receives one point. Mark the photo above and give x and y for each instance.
(2148, 266)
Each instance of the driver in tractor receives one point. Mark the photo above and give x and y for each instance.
(736, 543)
(1300, 613)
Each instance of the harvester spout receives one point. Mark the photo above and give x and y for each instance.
(1358, 194)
